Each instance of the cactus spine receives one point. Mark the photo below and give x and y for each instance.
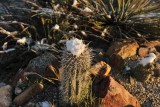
(75, 79)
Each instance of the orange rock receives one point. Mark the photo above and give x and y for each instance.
(112, 94)
(120, 51)
(144, 51)
(151, 43)
(100, 68)
(125, 49)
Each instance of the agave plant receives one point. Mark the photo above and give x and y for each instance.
(122, 18)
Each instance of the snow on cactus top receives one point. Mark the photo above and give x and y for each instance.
(75, 46)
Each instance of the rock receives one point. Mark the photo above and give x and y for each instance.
(120, 51)
(40, 63)
(125, 49)
(144, 51)
(28, 94)
(100, 68)
(5, 96)
(151, 43)
(45, 64)
(99, 71)
(112, 94)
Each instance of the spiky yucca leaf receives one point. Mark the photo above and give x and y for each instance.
(122, 18)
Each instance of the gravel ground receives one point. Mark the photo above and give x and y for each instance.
(148, 93)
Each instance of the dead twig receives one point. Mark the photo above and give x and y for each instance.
(3, 31)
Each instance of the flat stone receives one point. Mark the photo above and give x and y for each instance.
(5, 96)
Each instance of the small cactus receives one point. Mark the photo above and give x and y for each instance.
(75, 80)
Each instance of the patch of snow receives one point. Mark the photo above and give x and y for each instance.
(71, 32)
(39, 47)
(148, 59)
(127, 68)
(75, 2)
(43, 46)
(44, 104)
(17, 90)
(2, 52)
(75, 26)
(104, 32)
(84, 33)
(87, 10)
(2, 17)
(4, 46)
(56, 27)
(10, 50)
(75, 46)
(22, 41)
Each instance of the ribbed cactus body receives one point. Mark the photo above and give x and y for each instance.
(75, 80)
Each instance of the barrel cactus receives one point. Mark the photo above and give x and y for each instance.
(75, 80)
